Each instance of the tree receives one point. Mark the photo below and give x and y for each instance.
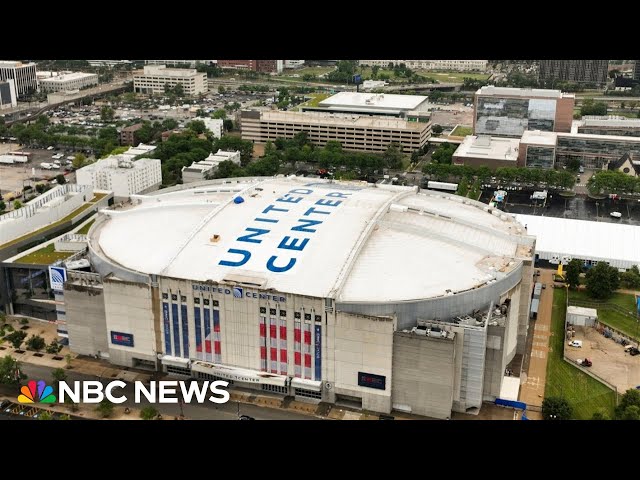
(58, 375)
(602, 280)
(437, 129)
(17, 204)
(573, 273)
(61, 179)
(613, 73)
(631, 278)
(105, 408)
(221, 89)
(622, 105)
(45, 416)
(630, 400)
(444, 153)
(67, 359)
(16, 338)
(169, 124)
(556, 408)
(36, 342)
(149, 413)
(393, 157)
(220, 113)
(573, 164)
(79, 160)
(106, 113)
(3, 206)
(227, 124)
(10, 371)
(631, 413)
(590, 107)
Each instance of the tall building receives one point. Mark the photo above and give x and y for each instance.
(8, 97)
(363, 133)
(68, 81)
(510, 111)
(262, 66)
(456, 65)
(636, 70)
(23, 74)
(155, 77)
(578, 71)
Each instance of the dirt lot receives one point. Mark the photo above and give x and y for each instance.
(451, 118)
(608, 357)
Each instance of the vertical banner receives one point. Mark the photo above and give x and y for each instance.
(273, 337)
(217, 347)
(263, 344)
(167, 328)
(185, 330)
(307, 351)
(198, 324)
(283, 346)
(176, 330)
(318, 353)
(297, 349)
(207, 335)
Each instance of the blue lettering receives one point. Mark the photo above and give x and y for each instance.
(249, 238)
(293, 244)
(304, 228)
(271, 265)
(288, 199)
(195, 287)
(274, 208)
(268, 220)
(338, 194)
(313, 210)
(301, 191)
(245, 258)
(328, 203)
(282, 299)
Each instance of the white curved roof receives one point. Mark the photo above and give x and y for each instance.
(346, 240)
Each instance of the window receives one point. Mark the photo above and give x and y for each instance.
(205, 301)
(216, 303)
(178, 370)
(165, 296)
(275, 389)
(263, 310)
(272, 311)
(283, 313)
(174, 297)
(318, 318)
(297, 315)
(300, 392)
(196, 300)
(307, 316)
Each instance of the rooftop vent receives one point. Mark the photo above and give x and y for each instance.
(215, 238)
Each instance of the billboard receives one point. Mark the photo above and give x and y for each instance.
(371, 380)
(57, 277)
(357, 79)
(124, 339)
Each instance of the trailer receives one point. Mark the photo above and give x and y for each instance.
(448, 187)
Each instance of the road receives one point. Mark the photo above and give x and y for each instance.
(208, 411)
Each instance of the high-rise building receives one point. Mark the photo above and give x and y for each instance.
(636, 70)
(579, 71)
(7, 94)
(23, 74)
(510, 111)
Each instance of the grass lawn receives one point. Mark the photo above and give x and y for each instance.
(97, 197)
(453, 77)
(585, 394)
(612, 317)
(461, 131)
(309, 70)
(84, 230)
(317, 98)
(44, 256)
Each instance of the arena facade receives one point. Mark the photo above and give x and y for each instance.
(383, 296)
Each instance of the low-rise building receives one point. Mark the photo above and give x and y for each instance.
(128, 134)
(8, 97)
(492, 152)
(379, 104)
(354, 132)
(154, 78)
(626, 165)
(608, 125)
(456, 65)
(68, 81)
(214, 125)
(199, 171)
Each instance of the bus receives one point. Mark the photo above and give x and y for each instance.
(20, 153)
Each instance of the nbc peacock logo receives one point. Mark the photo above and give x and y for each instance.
(38, 392)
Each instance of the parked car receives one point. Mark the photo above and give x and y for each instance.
(633, 351)
(581, 169)
(616, 214)
(575, 343)
(584, 363)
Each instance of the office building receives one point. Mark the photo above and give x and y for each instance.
(180, 63)
(122, 175)
(363, 133)
(128, 134)
(262, 66)
(636, 70)
(154, 78)
(379, 104)
(577, 71)
(608, 125)
(8, 97)
(455, 65)
(508, 112)
(492, 152)
(293, 63)
(289, 310)
(23, 74)
(68, 81)
(199, 171)
(214, 125)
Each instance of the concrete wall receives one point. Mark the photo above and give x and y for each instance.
(86, 321)
(492, 163)
(423, 374)
(360, 343)
(564, 114)
(526, 288)
(494, 362)
(128, 310)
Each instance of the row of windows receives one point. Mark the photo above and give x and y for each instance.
(179, 371)
(275, 389)
(300, 392)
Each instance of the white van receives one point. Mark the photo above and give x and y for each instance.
(575, 343)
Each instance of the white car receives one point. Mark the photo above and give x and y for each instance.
(575, 343)
(616, 214)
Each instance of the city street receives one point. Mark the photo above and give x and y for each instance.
(207, 411)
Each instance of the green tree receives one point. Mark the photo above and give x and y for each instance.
(17, 204)
(107, 113)
(169, 124)
(3, 206)
(58, 375)
(631, 413)
(573, 164)
(45, 416)
(631, 278)
(444, 153)
(227, 125)
(573, 273)
(630, 400)
(556, 408)
(105, 408)
(220, 113)
(591, 107)
(197, 126)
(437, 129)
(393, 156)
(602, 280)
(10, 371)
(148, 413)
(67, 359)
(79, 160)
(36, 343)
(221, 89)
(61, 179)
(16, 338)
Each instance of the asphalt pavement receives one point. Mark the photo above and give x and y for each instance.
(207, 411)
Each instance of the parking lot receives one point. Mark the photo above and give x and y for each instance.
(578, 207)
(610, 362)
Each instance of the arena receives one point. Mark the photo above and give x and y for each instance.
(383, 296)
